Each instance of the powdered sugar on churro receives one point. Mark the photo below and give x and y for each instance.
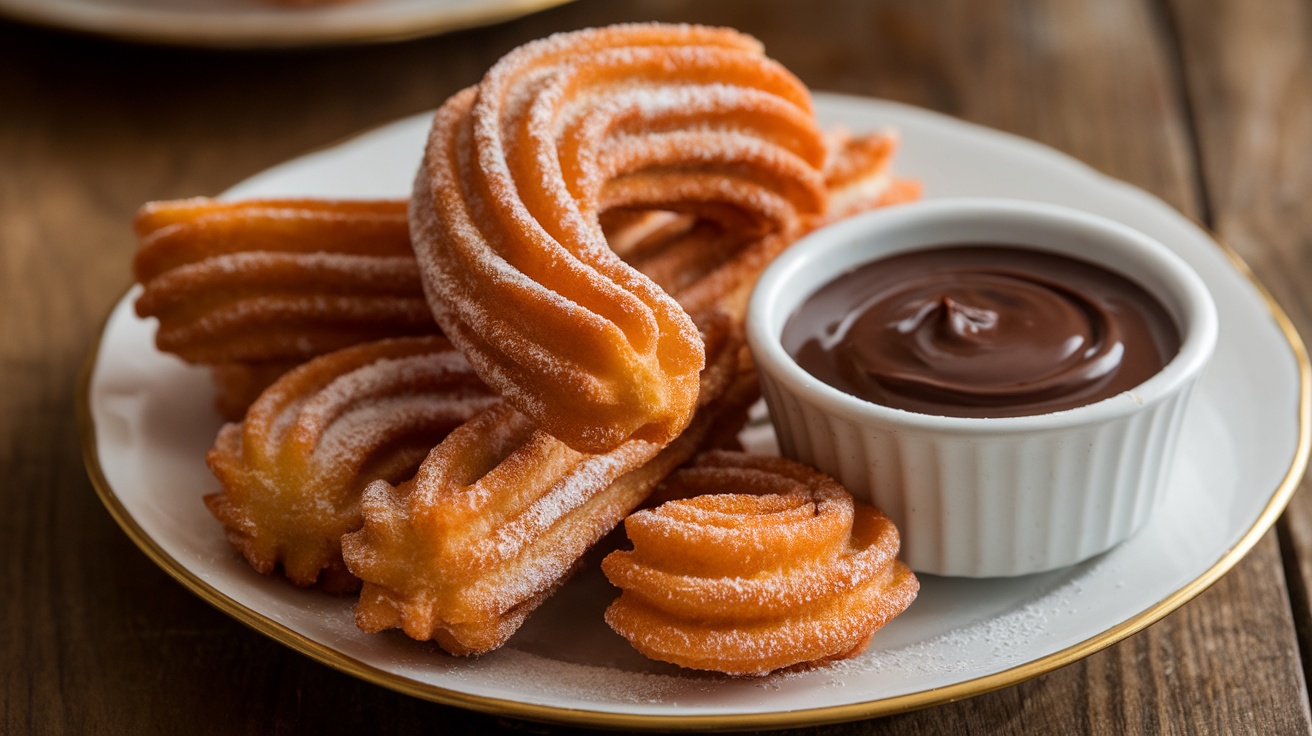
(518, 169)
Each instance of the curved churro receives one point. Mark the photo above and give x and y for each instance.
(505, 213)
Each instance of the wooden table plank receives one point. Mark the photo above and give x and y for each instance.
(1248, 67)
(95, 638)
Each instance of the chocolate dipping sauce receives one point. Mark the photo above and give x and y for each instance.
(981, 331)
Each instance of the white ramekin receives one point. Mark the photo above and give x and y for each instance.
(994, 496)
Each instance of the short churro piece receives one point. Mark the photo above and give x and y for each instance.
(859, 174)
(500, 512)
(269, 281)
(293, 470)
(762, 564)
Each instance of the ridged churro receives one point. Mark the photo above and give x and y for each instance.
(758, 564)
(506, 213)
(292, 471)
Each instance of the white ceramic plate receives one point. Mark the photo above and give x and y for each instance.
(148, 422)
(237, 23)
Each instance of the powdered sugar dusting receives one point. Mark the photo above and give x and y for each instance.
(561, 655)
(988, 645)
(506, 212)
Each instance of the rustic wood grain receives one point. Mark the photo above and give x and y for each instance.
(1205, 104)
(1248, 67)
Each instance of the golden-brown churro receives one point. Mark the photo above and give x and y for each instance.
(506, 213)
(764, 564)
(500, 512)
(292, 471)
(276, 281)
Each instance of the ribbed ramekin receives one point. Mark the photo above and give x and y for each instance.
(988, 496)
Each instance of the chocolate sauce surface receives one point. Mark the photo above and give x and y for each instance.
(981, 331)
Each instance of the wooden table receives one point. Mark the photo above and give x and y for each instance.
(1207, 104)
